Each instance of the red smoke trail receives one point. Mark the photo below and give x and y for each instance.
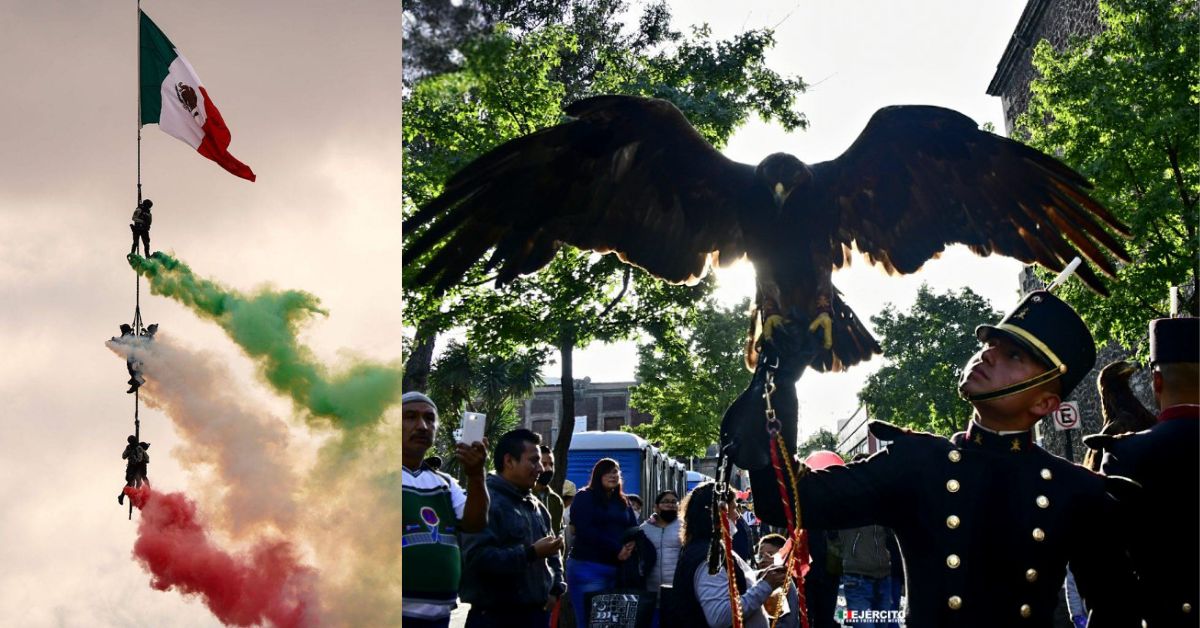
(265, 584)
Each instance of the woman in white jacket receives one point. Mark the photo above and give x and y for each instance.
(662, 528)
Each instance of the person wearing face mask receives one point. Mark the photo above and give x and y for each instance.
(662, 528)
(545, 494)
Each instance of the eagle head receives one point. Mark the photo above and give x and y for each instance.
(782, 174)
(1119, 407)
(1115, 374)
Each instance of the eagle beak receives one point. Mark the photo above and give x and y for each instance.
(781, 194)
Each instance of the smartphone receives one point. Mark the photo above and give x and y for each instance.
(472, 427)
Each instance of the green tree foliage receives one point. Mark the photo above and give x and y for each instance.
(924, 350)
(689, 371)
(463, 379)
(822, 439)
(1121, 108)
(512, 81)
(502, 91)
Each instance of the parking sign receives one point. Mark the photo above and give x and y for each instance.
(1067, 416)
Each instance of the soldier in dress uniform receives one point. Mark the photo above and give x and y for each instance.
(987, 521)
(1163, 515)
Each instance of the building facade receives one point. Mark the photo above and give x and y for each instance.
(604, 406)
(853, 437)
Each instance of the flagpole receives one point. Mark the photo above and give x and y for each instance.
(137, 303)
(139, 101)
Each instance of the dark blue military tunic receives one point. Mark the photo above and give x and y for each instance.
(987, 524)
(1161, 520)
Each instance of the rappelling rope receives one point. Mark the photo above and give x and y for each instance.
(137, 291)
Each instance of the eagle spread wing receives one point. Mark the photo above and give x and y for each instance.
(920, 177)
(627, 175)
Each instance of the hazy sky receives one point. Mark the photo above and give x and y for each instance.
(311, 92)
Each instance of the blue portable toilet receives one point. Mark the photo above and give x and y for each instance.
(695, 478)
(644, 469)
(588, 447)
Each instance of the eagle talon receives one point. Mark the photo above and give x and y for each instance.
(825, 324)
(769, 325)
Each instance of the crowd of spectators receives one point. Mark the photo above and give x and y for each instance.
(531, 557)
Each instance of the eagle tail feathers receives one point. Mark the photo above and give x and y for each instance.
(852, 342)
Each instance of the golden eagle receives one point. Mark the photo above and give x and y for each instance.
(630, 175)
(1119, 407)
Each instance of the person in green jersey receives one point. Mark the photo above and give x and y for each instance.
(435, 508)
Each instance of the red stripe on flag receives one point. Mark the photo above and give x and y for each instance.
(215, 144)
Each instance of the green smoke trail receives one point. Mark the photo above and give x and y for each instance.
(264, 325)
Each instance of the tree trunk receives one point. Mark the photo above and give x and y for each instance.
(416, 368)
(566, 423)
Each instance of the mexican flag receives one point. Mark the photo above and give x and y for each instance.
(173, 97)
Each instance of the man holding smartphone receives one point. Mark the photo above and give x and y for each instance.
(513, 571)
(435, 508)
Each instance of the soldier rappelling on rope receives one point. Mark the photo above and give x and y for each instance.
(163, 70)
(141, 226)
(136, 463)
(133, 365)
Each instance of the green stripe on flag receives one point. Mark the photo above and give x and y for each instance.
(154, 60)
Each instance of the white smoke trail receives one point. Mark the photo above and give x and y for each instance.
(246, 447)
(351, 519)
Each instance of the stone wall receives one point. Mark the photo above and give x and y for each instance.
(1053, 20)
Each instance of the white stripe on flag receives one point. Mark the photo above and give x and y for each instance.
(177, 119)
